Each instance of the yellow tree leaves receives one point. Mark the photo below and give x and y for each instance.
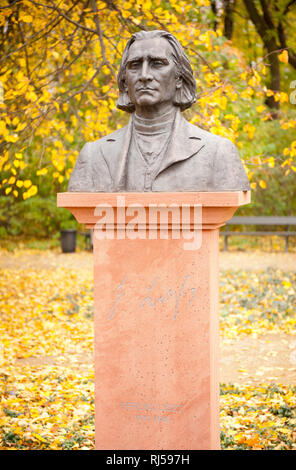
(250, 130)
(42, 172)
(284, 57)
(262, 184)
(59, 80)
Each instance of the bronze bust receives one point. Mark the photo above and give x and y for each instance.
(158, 150)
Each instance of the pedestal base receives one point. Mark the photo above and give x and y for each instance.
(156, 362)
(156, 326)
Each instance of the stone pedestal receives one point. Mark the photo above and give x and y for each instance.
(156, 315)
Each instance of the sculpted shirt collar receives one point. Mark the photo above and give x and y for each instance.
(185, 141)
(155, 126)
(150, 139)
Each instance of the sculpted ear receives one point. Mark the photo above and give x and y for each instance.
(179, 81)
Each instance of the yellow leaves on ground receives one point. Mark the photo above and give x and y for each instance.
(257, 302)
(257, 418)
(47, 408)
(53, 303)
(46, 313)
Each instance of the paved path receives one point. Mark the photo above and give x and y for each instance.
(33, 259)
(270, 358)
(257, 261)
(244, 360)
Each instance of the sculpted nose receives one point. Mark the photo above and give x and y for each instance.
(145, 72)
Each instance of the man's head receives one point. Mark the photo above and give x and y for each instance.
(155, 69)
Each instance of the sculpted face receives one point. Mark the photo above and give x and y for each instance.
(151, 76)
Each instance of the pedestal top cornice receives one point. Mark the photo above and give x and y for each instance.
(217, 207)
(208, 199)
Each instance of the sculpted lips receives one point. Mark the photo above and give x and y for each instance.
(145, 89)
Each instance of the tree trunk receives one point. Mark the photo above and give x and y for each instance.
(228, 18)
(214, 11)
(268, 33)
(275, 78)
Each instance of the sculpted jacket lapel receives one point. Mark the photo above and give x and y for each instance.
(185, 142)
(120, 175)
(115, 152)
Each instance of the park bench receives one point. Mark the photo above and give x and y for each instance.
(270, 221)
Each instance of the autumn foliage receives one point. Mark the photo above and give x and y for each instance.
(58, 77)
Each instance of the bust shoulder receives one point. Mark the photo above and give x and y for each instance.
(214, 143)
(206, 136)
(115, 136)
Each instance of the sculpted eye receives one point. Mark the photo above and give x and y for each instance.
(158, 63)
(133, 65)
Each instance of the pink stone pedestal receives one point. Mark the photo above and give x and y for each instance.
(156, 318)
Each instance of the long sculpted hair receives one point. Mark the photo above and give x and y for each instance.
(185, 95)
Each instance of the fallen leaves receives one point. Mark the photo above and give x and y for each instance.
(261, 417)
(257, 302)
(47, 408)
(45, 312)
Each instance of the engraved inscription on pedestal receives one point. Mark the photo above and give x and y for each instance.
(152, 413)
(170, 297)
